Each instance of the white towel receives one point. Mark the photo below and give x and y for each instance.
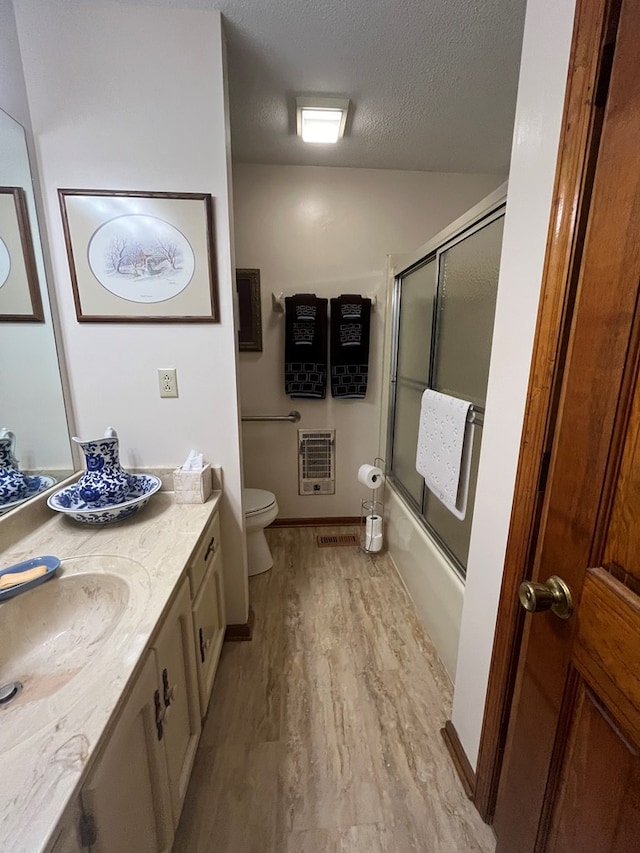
(444, 450)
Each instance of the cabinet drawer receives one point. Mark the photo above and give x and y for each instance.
(208, 629)
(204, 555)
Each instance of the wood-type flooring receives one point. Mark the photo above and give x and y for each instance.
(323, 733)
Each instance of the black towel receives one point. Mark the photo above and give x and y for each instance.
(305, 346)
(350, 324)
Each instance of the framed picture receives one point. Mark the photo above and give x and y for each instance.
(250, 312)
(20, 297)
(141, 257)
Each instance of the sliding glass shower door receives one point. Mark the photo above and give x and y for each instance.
(444, 313)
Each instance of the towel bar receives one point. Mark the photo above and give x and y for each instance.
(476, 417)
(294, 417)
(277, 302)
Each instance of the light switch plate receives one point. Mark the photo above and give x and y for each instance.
(168, 382)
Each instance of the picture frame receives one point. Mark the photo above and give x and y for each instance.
(249, 310)
(20, 297)
(141, 257)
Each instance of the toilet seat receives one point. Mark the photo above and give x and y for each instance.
(256, 501)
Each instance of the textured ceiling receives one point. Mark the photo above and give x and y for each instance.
(432, 82)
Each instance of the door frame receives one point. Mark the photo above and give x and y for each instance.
(595, 27)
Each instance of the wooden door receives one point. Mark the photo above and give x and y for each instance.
(571, 776)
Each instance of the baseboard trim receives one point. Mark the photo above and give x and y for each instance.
(323, 521)
(241, 632)
(458, 756)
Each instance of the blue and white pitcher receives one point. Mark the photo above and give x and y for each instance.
(13, 483)
(104, 483)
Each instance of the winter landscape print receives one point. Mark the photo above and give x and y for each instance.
(141, 258)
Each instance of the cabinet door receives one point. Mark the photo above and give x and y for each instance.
(67, 841)
(68, 833)
(176, 677)
(208, 627)
(126, 797)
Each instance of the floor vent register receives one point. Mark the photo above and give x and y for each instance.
(341, 540)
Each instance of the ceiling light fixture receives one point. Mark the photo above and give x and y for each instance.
(321, 119)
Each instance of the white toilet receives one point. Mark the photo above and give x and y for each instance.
(260, 509)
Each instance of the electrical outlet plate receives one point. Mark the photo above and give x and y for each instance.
(168, 382)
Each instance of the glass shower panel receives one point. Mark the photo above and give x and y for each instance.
(444, 329)
(417, 294)
(453, 533)
(405, 440)
(466, 303)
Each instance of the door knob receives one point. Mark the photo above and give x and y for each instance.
(552, 595)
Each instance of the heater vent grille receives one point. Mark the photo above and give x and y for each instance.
(316, 461)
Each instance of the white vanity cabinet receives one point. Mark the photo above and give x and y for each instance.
(133, 799)
(67, 836)
(125, 801)
(205, 573)
(179, 696)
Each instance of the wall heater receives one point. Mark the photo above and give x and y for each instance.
(316, 461)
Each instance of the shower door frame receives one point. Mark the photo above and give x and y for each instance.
(489, 210)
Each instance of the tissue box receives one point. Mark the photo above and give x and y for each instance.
(192, 487)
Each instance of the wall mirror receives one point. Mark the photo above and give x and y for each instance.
(32, 405)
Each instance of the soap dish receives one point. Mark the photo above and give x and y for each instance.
(52, 564)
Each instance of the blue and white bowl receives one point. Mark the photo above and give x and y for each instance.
(71, 503)
(35, 485)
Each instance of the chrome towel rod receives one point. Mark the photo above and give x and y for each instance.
(294, 417)
(277, 302)
(476, 416)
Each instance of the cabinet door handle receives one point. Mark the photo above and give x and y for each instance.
(211, 547)
(203, 648)
(166, 691)
(204, 645)
(158, 707)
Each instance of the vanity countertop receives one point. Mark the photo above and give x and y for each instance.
(46, 746)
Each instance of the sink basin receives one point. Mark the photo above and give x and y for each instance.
(50, 633)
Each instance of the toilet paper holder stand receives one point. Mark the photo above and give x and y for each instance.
(372, 516)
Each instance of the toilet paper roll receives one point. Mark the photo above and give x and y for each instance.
(374, 544)
(373, 526)
(370, 476)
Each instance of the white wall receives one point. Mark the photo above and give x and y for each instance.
(327, 231)
(547, 40)
(132, 97)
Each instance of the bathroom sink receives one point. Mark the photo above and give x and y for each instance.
(52, 632)
(70, 643)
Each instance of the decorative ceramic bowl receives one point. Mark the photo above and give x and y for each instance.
(35, 485)
(70, 502)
